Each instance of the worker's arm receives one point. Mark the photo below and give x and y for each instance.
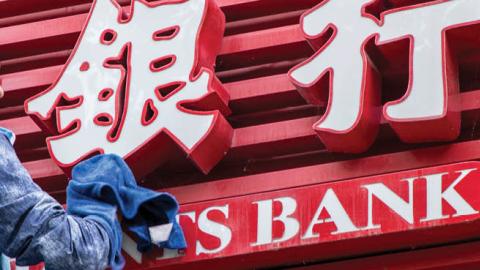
(35, 228)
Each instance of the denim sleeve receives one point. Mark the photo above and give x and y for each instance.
(34, 227)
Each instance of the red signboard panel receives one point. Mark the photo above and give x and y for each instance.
(352, 217)
(279, 198)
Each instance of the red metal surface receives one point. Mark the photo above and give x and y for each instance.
(459, 256)
(274, 146)
(329, 221)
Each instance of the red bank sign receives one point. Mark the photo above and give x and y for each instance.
(352, 37)
(140, 81)
(140, 84)
(333, 219)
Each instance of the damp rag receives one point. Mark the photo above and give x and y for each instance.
(34, 227)
(104, 183)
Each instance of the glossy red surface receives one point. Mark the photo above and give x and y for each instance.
(274, 147)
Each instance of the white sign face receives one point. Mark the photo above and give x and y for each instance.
(424, 113)
(128, 80)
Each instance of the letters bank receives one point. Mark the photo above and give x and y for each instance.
(367, 208)
(308, 134)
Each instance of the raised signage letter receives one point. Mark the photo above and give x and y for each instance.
(138, 84)
(392, 200)
(213, 228)
(435, 197)
(342, 32)
(265, 220)
(337, 213)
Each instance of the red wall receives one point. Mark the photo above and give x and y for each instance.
(274, 144)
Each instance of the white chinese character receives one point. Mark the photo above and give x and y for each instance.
(128, 80)
(351, 121)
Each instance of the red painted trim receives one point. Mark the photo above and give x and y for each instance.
(168, 59)
(164, 34)
(85, 66)
(381, 21)
(178, 87)
(103, 36)
(105, 94)
(97, 121)
(121, 99)
(149, 105)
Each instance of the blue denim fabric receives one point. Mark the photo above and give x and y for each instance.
(35, 228)
(4, 260)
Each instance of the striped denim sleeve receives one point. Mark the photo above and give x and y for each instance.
(34, 227)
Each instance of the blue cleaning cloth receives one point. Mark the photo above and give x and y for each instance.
(7, 133)
(105, 181)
